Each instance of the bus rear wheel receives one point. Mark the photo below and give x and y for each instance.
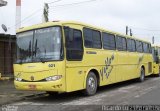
(91, 84)
(142, 75)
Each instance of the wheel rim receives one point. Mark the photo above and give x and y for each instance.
(91, 83)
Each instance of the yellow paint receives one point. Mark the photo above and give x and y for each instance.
(156, 64)
(123, 66)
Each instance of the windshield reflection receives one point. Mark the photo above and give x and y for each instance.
(39, 45)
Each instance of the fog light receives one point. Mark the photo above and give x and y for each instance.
(18, 79)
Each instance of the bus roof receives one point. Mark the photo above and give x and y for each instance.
(61, 23)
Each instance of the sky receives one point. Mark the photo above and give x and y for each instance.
(142, 16)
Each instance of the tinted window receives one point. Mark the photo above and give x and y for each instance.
(108, 41)
(88, 38)
(131, 46)
(150, 50)
(154, 54)
(74, 46)
(158, 51)
(96, 39)
(139, 46)
(124, 43)
(145, 47)
(121, 43)
(92, 38)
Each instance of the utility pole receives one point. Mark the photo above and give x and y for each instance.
(153, 40)
(45, 13)
(126, 30)
(131, 34)
(3, 3)
(18, 14)
(130, 30)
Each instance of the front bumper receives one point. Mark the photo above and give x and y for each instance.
(56, 86)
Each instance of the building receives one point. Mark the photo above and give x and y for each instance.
(7, 54)
(7, 51)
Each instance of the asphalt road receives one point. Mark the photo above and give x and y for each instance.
(125, 93)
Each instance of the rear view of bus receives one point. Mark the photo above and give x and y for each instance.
(39, 64)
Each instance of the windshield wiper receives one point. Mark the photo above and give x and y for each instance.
(36, 48)
(42, 60)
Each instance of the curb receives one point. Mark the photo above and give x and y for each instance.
(12, 101)
(6, 78)
(22, 98)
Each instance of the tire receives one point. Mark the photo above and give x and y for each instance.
(91, 84)
(142, 75)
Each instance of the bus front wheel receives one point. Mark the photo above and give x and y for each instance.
(142, 75)
(91, 84)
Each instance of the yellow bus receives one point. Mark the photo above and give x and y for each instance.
(66, 56)
(156, 60)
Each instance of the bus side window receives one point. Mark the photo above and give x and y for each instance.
(139, 46)
(150, 50)
(121, 43)
(145, 48)
(92, 38)
(74, 45)
(131, 45)
(88, 41)
(108, 41)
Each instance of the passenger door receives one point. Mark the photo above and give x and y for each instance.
(74, 55)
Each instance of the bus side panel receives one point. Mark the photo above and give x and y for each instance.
(107, 70)
(102, 61)
(147, 62)
(155, 68)
(133, 65)
(75, 78)
(122, 68)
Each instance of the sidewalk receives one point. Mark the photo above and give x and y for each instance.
(8, 77)
(8, 94)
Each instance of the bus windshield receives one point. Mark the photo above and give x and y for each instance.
(39, 45)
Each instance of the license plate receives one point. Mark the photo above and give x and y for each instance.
(32, 87)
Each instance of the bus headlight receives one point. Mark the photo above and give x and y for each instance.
(18, 79)
(54, 78)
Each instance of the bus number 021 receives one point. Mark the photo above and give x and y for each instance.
(51, 65)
